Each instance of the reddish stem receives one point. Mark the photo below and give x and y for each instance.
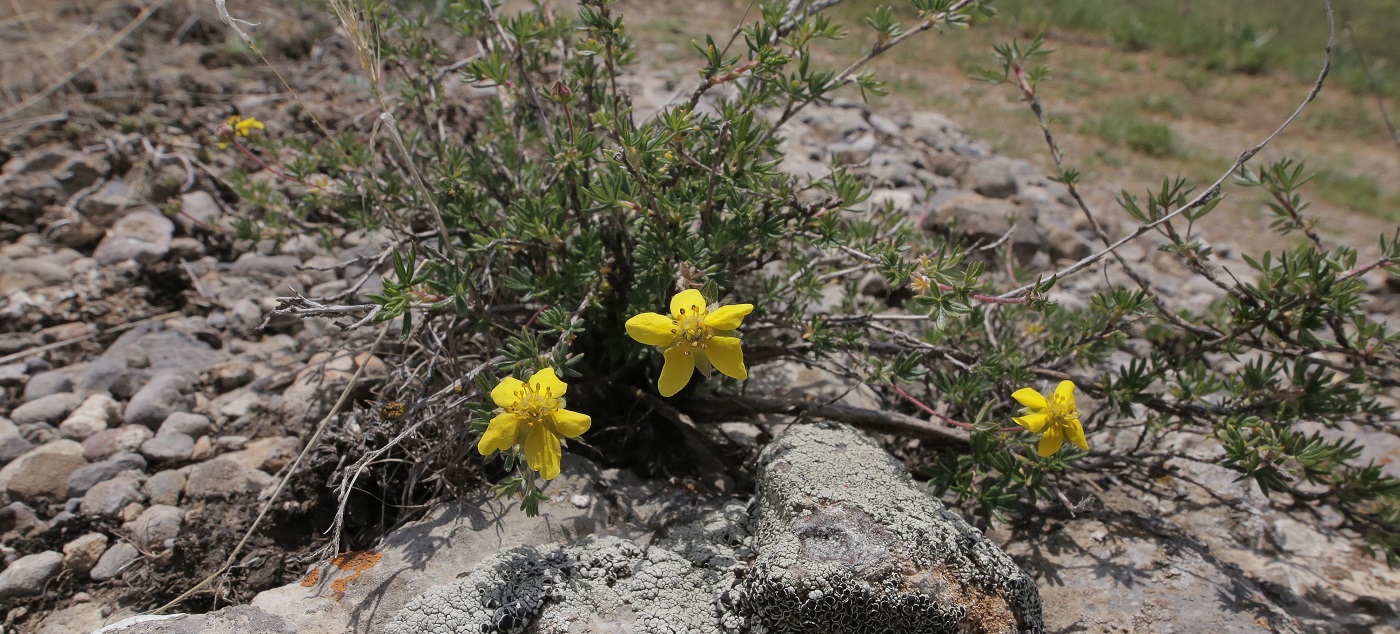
(535, 316)
(255, 159)
(986, 298)
(935, 413)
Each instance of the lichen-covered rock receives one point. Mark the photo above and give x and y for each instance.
(603, 584)
(846, 539)
(839, 540)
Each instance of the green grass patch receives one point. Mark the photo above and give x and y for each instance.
(1136, 133)
(1233, 36)
(1357, 193)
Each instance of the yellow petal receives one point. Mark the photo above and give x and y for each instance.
(1030, 398)
(547, 383)
(1075, 432)
(1051, 441)
(676, 372)
(652, 329)
(689, 300)
(728, 317)
(570, 424)
(1033, 422)
(1065, 390)
(500, 434)
(507, 393)
(727, 356)
(542, 452)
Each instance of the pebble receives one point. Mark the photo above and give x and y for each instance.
(46, 383)
(198, 209)
(156, 528)
(41, 475)
(203, 449)
(164, 487)
(193, 425)
(95, 414)
(81, 554)
(13, 374)
(271, 266)
(107, 499)
(225, 479)
(114, 561)
(51, 409)
(158, 399)
(28, 575)
(168, 447)
(84, 478)
(142, 235)
(104, 444)
(13, 444)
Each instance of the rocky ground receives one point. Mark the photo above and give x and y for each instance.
(150, 405)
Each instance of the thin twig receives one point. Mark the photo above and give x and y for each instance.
(872, 419)
(1213, 191)
(1375, 88)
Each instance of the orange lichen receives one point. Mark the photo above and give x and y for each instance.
(356, 562)
(311, 578)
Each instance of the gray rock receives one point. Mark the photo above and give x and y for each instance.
(168, 447)
(41, 475)
(114, 561)
(158, 399)
(841, 536)
(51, 409)
(156, 527)
(87, 476)
(272, 266)
(454, 537)
(985, 221)
(994, 177)
(224, 479)
(164, 487)
(198, 210)
(109, 442)
(233, 374)
(186, 249)
(106, 499)
(144, 352)
(107, 202)
(238, 619)
(46, 383)
(1067, 244)
(13, 445)
(28, 575)
(143, 236)
(81, 554)
(13, 374)
(865, 549)
(193, 425)
(81, 616)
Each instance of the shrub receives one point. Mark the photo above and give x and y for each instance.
(533, 235)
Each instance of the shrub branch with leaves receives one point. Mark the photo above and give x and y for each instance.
(534, 224)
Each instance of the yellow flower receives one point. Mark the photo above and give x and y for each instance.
(693, 338)
(237, 127)
(533, 416)
(1055, 416)
(242, 127)
(921, 284)
(318, 184)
